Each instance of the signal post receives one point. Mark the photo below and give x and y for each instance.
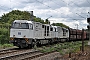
(88, 21)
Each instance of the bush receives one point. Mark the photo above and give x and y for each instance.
(4, 36)
(7, 45)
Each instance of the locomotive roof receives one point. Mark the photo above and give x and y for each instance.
(23, 21)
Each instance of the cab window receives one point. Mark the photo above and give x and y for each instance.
(20, 26)
(31, 26)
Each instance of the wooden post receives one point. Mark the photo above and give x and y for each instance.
(82, 40)
(69, 54)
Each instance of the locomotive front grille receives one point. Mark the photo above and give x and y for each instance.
(20, 40)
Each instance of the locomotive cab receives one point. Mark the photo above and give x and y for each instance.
(21, 33)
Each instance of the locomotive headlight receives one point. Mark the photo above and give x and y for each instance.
(24, 36)
(13, 35)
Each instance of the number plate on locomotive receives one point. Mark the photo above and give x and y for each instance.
(19, 33)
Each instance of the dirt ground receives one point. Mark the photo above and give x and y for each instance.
(85, 55)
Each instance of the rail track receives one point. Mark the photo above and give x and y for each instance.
(7, 54)
(20, 55)
(4, 52)
(36, 56)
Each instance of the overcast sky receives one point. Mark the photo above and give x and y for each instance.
(68, 12)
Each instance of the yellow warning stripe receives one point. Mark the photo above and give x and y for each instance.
(26, 40)
(11, 38)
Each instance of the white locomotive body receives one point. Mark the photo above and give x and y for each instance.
(24, 33)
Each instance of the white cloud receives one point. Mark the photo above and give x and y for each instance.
(63, 11)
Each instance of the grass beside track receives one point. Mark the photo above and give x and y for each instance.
(64, 48)
(4, 46)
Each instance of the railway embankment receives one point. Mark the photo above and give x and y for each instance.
(67, 51)
(60, 51)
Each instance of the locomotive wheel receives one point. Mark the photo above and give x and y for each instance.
(29, 46)
(38, 43)
(20, 47)
(49, 42)
(32, 44)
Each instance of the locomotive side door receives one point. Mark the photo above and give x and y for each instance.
(37, 30)
(31, 29)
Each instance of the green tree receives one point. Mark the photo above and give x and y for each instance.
(4, 35)
(47, 21)
(18, 15)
